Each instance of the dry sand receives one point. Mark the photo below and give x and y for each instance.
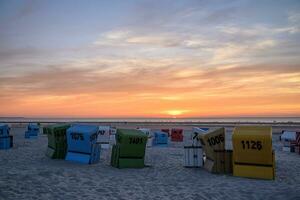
(26, 173)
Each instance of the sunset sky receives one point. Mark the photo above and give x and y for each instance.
(151, 58)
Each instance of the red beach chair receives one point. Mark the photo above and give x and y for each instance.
(176, 135)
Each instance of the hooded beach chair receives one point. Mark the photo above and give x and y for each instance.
(147, 131)
(217, 159)
(82, 144)
(160, 138)
(6, 140)
(176, 134)
(129, 150)
(32, 131)
(288, 139)
(193, 153)
(57, 140)
(196, 131)
(253, 156)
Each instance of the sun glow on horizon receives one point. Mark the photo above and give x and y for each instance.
(176, 113)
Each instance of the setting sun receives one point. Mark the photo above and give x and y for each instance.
(176, 112)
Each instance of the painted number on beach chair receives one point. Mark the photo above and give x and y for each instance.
(215, 140)
(195, 136)
(77, 136)
(102, 132)
(256, 145)
(135, 140)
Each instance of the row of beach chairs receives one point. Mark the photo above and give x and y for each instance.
(82, 143)
(251, 154)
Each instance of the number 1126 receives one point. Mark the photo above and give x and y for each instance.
(251, 144)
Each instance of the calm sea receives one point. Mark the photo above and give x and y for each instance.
(240, 119)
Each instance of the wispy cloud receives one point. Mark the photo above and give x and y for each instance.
(139, 85)
(151, 58)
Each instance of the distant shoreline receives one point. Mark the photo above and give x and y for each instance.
(198, 123)
(282, 122)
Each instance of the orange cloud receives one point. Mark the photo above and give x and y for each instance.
(153, 92)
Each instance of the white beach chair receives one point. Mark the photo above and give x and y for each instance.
(147, 131)
(103, 136)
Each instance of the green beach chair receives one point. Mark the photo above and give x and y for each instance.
(129, 150)
(57, 140)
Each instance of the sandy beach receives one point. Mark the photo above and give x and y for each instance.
(146, 64)
(26, 173)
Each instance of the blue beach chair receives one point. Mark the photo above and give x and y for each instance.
(160, 138)
(32, 131)
(6, 140)
(82, 144)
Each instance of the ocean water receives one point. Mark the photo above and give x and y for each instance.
(196, 120)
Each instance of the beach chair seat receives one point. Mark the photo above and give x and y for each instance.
(6, 142)
(160, 138)
(193, 156)
(82, 144)
(176, 135)
(217, 159)
(57, 140)
(86, 158)
(129, 150)
(253, 156)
